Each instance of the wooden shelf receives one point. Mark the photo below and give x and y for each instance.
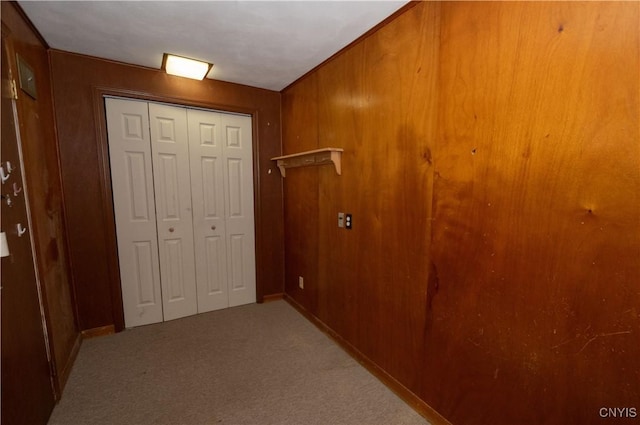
(310, 158)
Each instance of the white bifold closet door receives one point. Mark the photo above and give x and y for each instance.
(170, 153)
(182, 183)
(135, 210)
(222, 191)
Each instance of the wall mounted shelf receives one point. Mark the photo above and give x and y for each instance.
(309, 158)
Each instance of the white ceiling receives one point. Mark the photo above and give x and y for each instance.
(266, 44)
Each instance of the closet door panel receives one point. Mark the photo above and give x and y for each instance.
(214, 256)
(145, 273)
(209, 227)
(240, 234)
(183, 179)
(170, 151)
(134, 207)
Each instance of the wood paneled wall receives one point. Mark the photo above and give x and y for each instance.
(492, 167)
(79, 81)
(42, 177)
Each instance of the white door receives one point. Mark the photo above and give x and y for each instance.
(183, 199)
(172, 182)
(207, 189)
(220, 147)
(238, 197)
(134, 205)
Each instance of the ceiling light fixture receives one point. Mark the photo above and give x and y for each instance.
(185, 67)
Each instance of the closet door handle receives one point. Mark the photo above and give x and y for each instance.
(171, 229)
(213, 227)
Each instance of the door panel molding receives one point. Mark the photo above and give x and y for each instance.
(202, 161)
(99, 93)
(231, 138)
(172, 182)
(137, 243)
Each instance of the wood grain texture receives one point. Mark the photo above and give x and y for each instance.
(300, 133)
(375, 274)
(79, 81)
(27, 394)
(43, 181)
(536, 237)
(97, 332)
(492, 166)
(371, 285)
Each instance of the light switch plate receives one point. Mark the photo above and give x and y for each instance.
(340, 219)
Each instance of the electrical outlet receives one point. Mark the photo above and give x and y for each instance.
(348, 224)
(300, 282)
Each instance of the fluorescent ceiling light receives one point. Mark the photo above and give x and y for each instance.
(185, 67)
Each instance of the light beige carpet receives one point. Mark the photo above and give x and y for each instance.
(255, 364)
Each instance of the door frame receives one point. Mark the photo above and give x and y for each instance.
(108, 213)
(43, 379)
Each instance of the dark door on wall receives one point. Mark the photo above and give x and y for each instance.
(27, 391)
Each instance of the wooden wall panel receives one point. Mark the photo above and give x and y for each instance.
(78, 83)
(42, 176)
(372, 280)
(27, 394)
(300, 133)
(368, 96)
(341, 100)
(492, 166)
(536, 237)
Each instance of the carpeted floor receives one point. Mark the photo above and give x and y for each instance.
(255, 364)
